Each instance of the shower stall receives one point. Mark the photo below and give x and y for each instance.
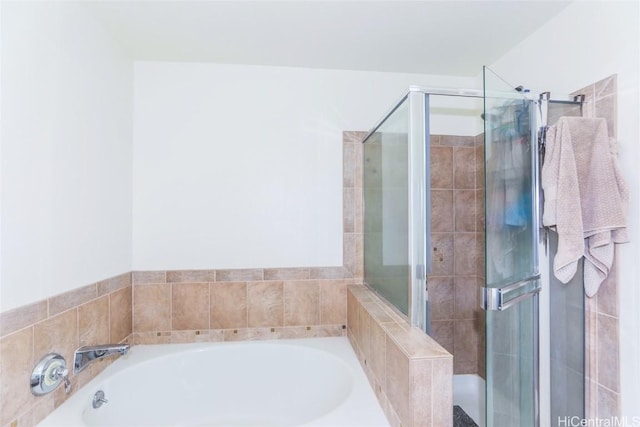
(453, 240)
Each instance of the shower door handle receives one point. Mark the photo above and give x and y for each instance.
(499, 299)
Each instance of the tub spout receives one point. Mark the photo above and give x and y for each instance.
(87, 354)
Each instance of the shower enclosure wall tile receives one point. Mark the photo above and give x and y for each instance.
(480, 212)
(465, 210)
(441, 167)
(441, 298)
(457, 140)
(465, 367)
(189, 306)
(464, 167)
(442, 254)
(465, 254)
(465, 341)
(466, 305)
(442, 332)
(457, 165)
(442, 217)
(481, 257)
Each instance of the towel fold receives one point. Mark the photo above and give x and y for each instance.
(585, 198)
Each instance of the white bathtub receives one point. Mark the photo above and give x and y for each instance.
(310, 382)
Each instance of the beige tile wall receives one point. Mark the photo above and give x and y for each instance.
(601, 312)
(224, 305)
(410, 373)
(99, 313)
(457, 233)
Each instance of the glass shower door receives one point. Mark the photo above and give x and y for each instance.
(510, 297)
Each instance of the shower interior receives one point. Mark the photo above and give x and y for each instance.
(425, 244)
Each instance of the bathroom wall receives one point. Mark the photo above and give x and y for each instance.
(66, 152)
(599, 39)
(275, 135)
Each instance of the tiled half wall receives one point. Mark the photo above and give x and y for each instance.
(410, 373)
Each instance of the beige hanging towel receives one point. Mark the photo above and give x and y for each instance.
(585, 198)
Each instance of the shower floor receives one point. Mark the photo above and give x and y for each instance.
(468, 393)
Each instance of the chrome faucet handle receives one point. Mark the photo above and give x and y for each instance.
(61, 372)
(58, 372)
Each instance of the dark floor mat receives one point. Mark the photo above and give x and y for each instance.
(461, 419)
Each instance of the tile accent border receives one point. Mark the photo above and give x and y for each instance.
(411, 374)
(93, 314)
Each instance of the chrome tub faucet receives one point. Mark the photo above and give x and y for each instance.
(87, 354)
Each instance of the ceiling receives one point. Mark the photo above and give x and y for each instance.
(431, 37)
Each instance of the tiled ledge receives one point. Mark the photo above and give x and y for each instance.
(411, 374)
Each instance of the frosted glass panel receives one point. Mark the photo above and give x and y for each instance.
(386, 201)
(511, 244)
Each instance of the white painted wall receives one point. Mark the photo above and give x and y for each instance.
(241, 166)
(66, 152)
(586, 42)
